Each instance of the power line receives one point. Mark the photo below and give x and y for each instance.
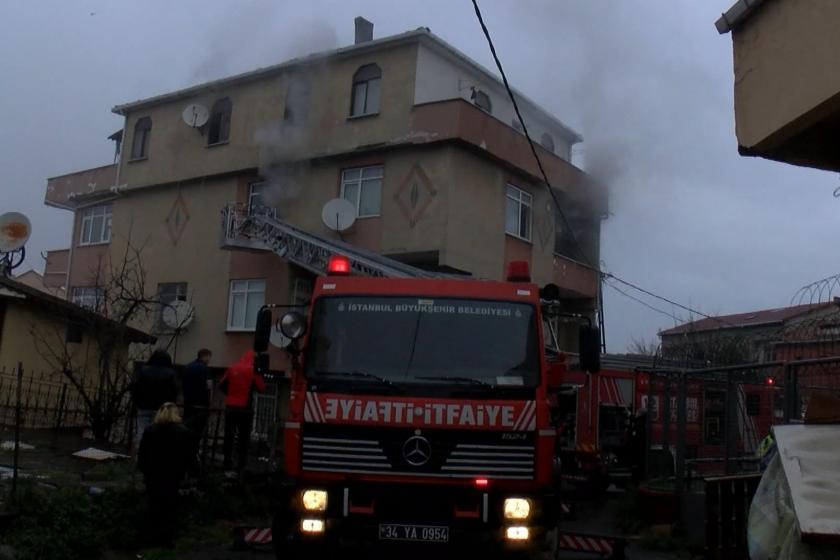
(528, 136)
(644, 303)
(666, 300)
(554, 195)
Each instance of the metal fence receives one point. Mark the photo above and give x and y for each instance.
(47, 401)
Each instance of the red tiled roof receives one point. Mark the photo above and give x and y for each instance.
(741, 320)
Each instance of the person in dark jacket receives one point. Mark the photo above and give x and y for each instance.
(196, 386)
(239, 383)
(155, 384)
(164, 458)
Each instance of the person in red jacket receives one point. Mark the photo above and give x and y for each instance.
(239, 383)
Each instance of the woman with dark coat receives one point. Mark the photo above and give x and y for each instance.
(164, 457)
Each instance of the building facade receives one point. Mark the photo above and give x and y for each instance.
(787, 88)
(420, 139)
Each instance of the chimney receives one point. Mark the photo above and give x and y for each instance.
(364, 30)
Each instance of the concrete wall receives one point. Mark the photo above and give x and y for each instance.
(441, 77)
(785, 66)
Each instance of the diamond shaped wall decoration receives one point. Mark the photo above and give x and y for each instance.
(176, 221)
(415, 194)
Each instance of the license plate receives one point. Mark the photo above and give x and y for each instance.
(417, 533)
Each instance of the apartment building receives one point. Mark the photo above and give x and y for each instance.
(422, 141)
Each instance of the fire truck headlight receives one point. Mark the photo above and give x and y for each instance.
(293, 325)
(517, 533)
(314, 500)
(312, 526)
(517, 508)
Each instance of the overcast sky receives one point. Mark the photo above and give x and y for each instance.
(647, 82)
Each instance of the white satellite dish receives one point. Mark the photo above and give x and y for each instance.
(178, 315)
(277, 338)
(15, 230)
(195, 115)
(338, 214)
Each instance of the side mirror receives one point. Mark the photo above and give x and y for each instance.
(262, 331)
(293, 325)
(550, 292)
(590, 348)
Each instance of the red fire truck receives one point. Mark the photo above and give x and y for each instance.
(421, 411)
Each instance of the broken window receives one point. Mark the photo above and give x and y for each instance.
(256, 200)
(218, 130)
(482, 101)
(547, 142)
(169, 293)
(140, 142)
(518, 213)
(87, 296)
(297, 103)
(366, 83)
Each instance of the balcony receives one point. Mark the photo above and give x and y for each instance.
(234, 217)
(66, 191)
(576, 280)
(459, 121)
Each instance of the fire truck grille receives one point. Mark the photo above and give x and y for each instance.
(341, 454)
(433, 453)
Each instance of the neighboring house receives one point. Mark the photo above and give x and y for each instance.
(785, 333)
(787, 87)
(35, 279)
(39, 330)
(420, 139)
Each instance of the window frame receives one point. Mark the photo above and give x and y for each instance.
(143, 127)
(230, 327)
(222, 110)
(179, 296)
(365, 75)
(251, 208)
(547, 142)
(519, 199)
(80, 293)
(88, 216)
(481, 94)
(360, 183)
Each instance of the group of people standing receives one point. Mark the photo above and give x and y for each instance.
(168, 443)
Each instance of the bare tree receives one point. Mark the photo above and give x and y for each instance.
(96, 351)
(712, 349)
(644, 347)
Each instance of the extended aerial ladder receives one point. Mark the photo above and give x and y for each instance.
(308, 250)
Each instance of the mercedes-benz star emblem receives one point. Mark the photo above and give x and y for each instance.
(417, 451)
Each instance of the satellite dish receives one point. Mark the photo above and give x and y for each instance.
(338, 214)
(195, 115)
(277, 338)
(15, 230)
(178, 315)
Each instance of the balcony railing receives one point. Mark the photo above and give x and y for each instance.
(234, 219)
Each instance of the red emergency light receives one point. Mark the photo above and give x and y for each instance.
(518, 271)
(771, 381)
(338, 266)
(482, 482)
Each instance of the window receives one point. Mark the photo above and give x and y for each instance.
(547, 142)
(96, 225)
(168, 293)
(297, 103)
(256, 201)
(482, 100)
(87, 296)
(246, 299)
(219, 124)
(518, 213)
(301, 291)
(713, 417)
(140, 143)
(363, 187)
(366, 82)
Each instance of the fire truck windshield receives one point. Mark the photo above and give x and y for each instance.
(409, 340)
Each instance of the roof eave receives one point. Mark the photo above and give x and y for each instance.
(740, 12)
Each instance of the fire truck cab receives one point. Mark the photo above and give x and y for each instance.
(421, 411)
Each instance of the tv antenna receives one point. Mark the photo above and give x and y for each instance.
(15, 230)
